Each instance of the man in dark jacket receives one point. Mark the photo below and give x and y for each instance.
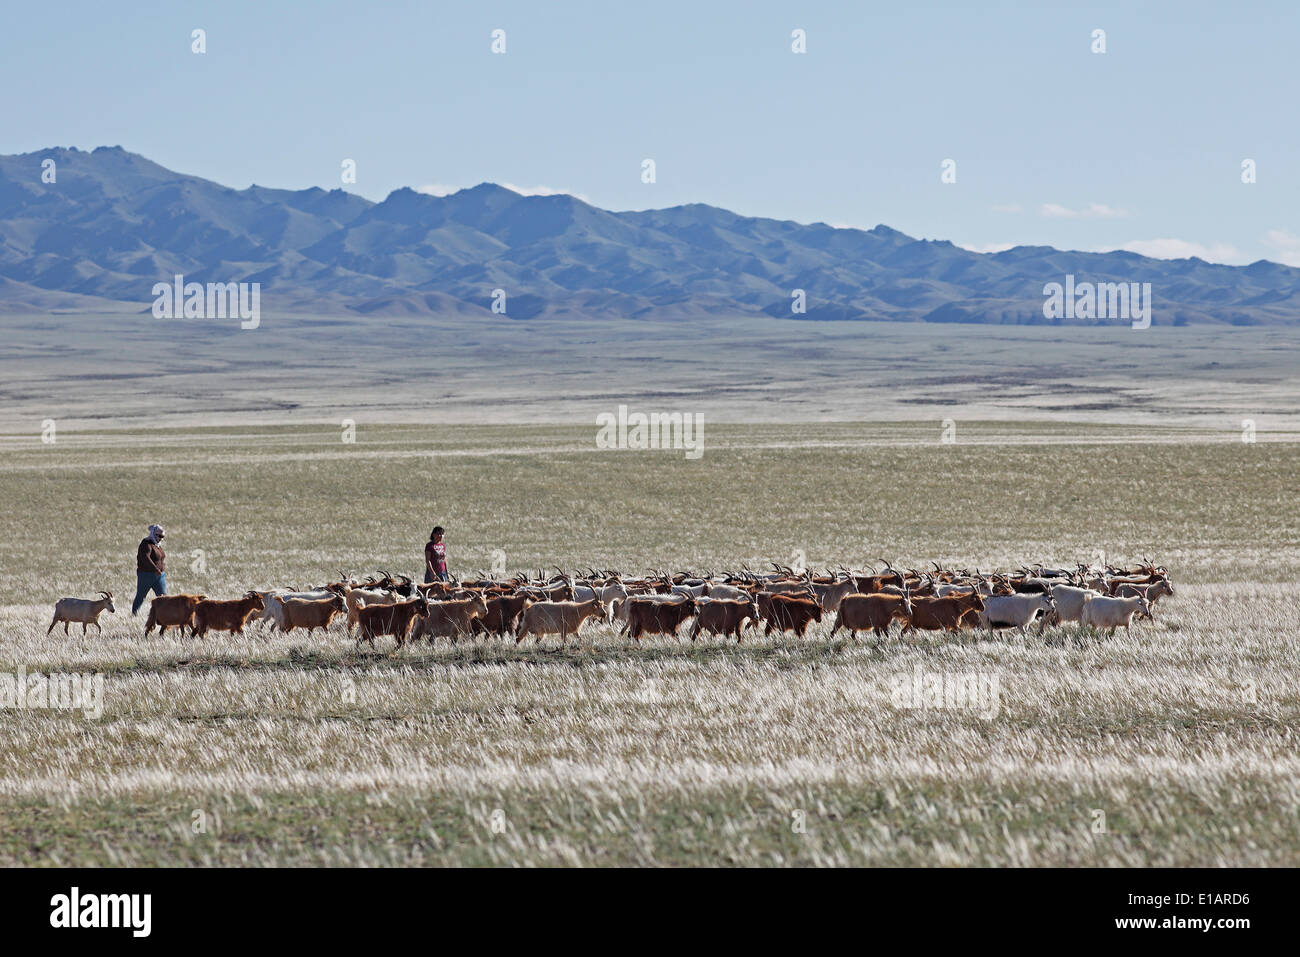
(150, 567)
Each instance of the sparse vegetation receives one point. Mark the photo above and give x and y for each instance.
(298, 750)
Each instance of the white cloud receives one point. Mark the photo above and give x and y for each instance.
(544, 191)
(1182, 249)
(1091, 211)
(1285, 246)
(441, 189)
(987, 247)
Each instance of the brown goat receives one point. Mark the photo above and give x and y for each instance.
(503, 614)
(860, 612)
(172, 611)
(312, 614)
(394, 619)
(943, 614)
(450, 619)
(724, 616)
(791, 613)
(657, 617)
(229, 615)
(766, 597)
(556, 591)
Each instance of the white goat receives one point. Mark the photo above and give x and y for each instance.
(609, 595)
(84, 610)
(273, 604)
(1069, 604)
(1014, 611)
(730, 592)
(1106, 612)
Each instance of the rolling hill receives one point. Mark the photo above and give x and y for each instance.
(114, 223)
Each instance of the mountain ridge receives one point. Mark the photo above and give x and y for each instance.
(114, 222)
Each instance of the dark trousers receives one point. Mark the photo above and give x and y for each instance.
(146, 582)
(435, 576)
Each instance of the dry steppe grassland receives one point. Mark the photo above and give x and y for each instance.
(1173, 745)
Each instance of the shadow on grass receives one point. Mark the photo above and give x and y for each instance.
(784, 654)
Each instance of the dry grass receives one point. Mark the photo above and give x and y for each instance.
(300, 751)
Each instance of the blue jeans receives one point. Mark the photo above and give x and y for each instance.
(146, 582)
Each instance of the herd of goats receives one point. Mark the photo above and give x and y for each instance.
(783, 600)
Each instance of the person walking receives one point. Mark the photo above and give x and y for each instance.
(435, 557)
(150, 567)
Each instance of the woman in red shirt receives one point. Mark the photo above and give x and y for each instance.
(435, 557)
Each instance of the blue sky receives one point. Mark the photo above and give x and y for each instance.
(1140, 147)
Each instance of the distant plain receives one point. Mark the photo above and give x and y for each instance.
(130, 370)
(823, 440)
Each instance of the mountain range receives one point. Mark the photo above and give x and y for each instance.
(113, 223)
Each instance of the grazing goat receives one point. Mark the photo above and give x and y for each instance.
(801, 586)
(229, 615)
(860, 612)
(558, 591)
(1152, 593)
(1107, 612)
(623, 609)
(311, 614)
(274, 599)
(1032, 586)
(731, 593)
(649, 614)
(701, 590)
(765, 599)
(944, 589)
(358, 598)
(830, 596)
(558, 617)
(503, 613)
(392, 619)
(84, 610)
(609, 594)
(272, 609)
(1069, 605)
(791, 613)
(172, 611)
(450, 619)
(943, 614)
(724, 616)
(1014, 611)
